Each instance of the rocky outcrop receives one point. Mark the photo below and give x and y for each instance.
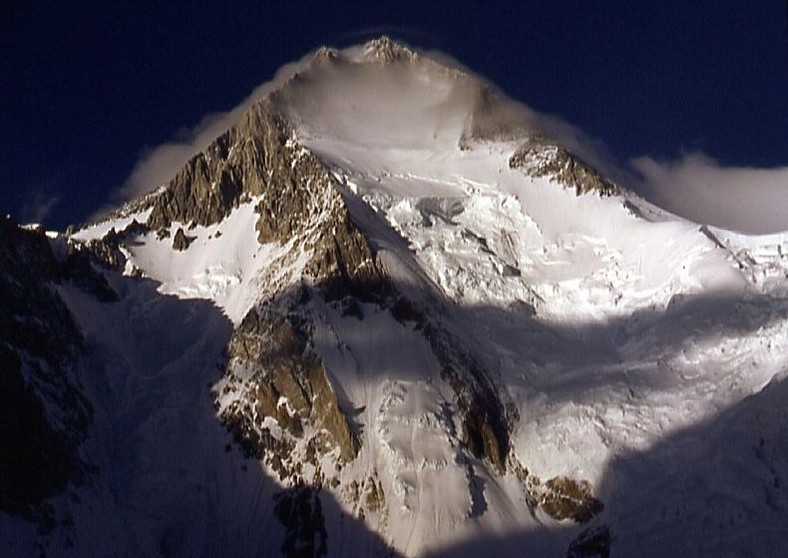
(375, 497)
(181, 241)
(482, 438)
(345, 264)
(107, 251)
(484, 416)
(79, 271)
(384, 50)
(299, 199)
(43, 414)
(566, 498)
(248, 160)
(275, 374)
(539, 156)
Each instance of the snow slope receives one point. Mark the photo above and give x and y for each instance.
(643, 328)
(643, 353)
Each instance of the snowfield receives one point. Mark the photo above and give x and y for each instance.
(641, 352)
(646, 331)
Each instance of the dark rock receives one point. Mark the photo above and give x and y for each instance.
(591, 543)
(350, 307)
(481, 438)
(134, 229)
(79, 271)
(565, 498)
(386, 51)
(247, 160)
(539, 156)
(181, 241)
(344, 263)
(43, 414)
(485, 417)
(286, 367)
(375, 496)
(300, 511)
(38, 461)
(106, 250)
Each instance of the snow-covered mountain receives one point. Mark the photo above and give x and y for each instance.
(389, 312)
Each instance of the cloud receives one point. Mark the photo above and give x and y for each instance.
(748, 200)
(157, 165)
(695, 186)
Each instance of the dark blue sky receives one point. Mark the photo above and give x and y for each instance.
(86, 86)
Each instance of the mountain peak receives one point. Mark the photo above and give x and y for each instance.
(382, 92)
(375, 311)
(386, 50)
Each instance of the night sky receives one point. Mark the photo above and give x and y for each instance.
(87, 86)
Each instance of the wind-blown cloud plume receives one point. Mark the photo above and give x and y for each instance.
(159, 164)
(385, 85)
(417, 105)
(748, 200)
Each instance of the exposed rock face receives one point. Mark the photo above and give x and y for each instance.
(485, 417)
(78, 270)
(285, 381)
(481, 436)
(565, 498)
(344, 263)
(375, 496)
(43, 415)
(539, 157)
(180, 241)
(107, 250)
(259, 157)
(247, 160)
(326, 54)
(387, 51)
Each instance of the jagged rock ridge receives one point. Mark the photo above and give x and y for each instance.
(45, 415)
(538, 157)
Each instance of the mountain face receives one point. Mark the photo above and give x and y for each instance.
(386, 314)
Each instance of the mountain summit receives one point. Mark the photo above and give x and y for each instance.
(392, 312)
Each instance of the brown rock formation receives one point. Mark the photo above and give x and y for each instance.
(289, 384)
(539, 156)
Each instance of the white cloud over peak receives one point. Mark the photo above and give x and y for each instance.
(748, 200)
(694, 186)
